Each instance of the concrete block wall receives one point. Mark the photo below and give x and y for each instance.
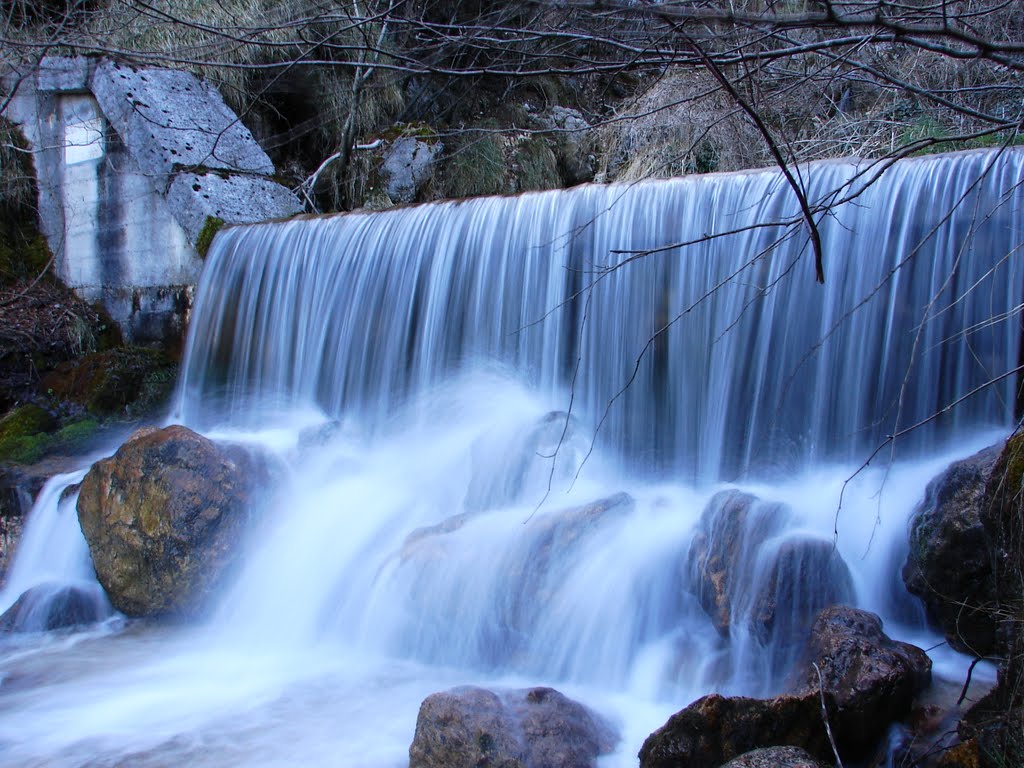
(130, 164)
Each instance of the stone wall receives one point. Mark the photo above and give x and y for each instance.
(131, 164)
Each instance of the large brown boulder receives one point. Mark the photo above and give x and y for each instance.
(534, 728)
(950, 563)
(163, 518)
(716, 729)
(868, 682)
(871, 680)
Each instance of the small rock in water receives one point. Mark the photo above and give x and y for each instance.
(47, 607)
(535, 728)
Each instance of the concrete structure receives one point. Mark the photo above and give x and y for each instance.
(131, 162)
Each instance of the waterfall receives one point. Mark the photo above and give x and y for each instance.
(701, 362)
(523, 441)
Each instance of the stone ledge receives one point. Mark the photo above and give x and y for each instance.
(235, 199)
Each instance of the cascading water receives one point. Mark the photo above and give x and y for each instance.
(432, 380)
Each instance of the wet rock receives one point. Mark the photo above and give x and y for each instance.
(742, 572)
(800, 577)
(731, 528)
(533, 563)
(716, 729)
(774, 757)
(15, 502)
(163, 518)
(19, 486)
(868, 682)
(420, 540)
(950, 561)
(534, 728)
(47, 607)
(871, 679)
(1001, 518)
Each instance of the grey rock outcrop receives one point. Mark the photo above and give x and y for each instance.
(118, 152)
(534, 728)
(169, 119)
(408, 165)
(233, 199)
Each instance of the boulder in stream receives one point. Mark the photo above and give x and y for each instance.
(163, 518)
(950, 563)
(868, 680)
(745, 573)
(534, 728)
(47, 607)
(720, 545)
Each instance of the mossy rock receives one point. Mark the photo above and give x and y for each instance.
(128, 381)
(24, 434)
(204, 240)
(164, 518)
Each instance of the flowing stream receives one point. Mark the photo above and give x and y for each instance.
(496, 426)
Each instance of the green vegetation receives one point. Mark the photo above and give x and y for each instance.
(116, 382)
(476, 165)
(211, 227)
(535, 166)
(24, 253)
(24, 433)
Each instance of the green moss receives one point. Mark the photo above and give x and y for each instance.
(126, 381)
(25, 420)
(24, 434)
(77, 433)
(211, 227)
